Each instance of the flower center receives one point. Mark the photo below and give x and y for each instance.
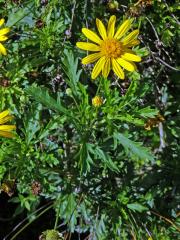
(111, 48)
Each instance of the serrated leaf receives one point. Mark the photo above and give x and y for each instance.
(85, 158)
(103, 156)
(133, 147)
(129, 119)
(41, 95)
(46, 131)
(147, 112)
(70, 67)
(32, 122)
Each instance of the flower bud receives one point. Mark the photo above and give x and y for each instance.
(97, 101)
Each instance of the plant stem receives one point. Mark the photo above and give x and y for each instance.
(57, 217)
(27, 224)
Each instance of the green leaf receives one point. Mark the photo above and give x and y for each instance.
(147, 112)
(32, 122)
(50, 126)
(133, 148)
(70, 67)
(103, 156)
(21, 16)
(142, 52)
(129, 119)
(41, 95)
(137, 207)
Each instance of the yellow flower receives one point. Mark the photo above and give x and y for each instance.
(97, 101)
(3, 37)
(112, 49)
(5, 130)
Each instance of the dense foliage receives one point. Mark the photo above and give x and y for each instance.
(110, 168)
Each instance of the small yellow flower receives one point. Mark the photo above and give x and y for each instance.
(97, 101)
(3, 37)
(112, 49)
(6, 130)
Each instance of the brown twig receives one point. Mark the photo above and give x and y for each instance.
(167, 220)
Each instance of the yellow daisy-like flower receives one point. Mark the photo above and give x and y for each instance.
(3, 37)
(112, 49)
(97, 101)
(6, 130)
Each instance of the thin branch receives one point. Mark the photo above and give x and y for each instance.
(167, 220)
(166, 64)
(155, 32)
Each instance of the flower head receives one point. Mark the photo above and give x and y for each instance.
(51, 235)
(97, 101)
(112, 49)
(3, 37)
(6, 130)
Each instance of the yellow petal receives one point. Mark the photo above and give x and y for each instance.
(87, 46)
(135, 67)
(7, 128)
(4, 114)
(132, 43)
(91, 58)
(106, 69)
(131, 57)
(111, 26)
(3, 38)
(4, 31)
(2, 50)
(117, 69)
(123, 29)
(101, 28)
(130, 37)
(91, 35)
(6, 119)
(6, 134)
(127, 65)
(98, 67)
(2, 21)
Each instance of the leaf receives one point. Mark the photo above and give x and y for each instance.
(20, 17)
(50, 126)
(84, 158)
(70, 67)
(103, 156)
(142, 52)
(41, 95)
(71, 211)
(130, 94)
(32, 122)
(133, 147)
(147, 112)
(130, 119)
(137, 207)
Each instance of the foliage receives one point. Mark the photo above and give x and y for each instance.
(103, 173)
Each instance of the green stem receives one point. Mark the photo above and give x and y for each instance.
(26, 225)
(57, 217)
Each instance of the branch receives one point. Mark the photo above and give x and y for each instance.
(166, 64)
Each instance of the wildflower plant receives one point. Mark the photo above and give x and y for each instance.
(90, 159)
